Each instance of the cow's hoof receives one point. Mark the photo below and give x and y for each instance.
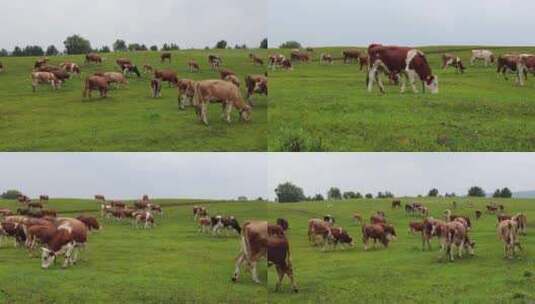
(234, 279)
(296, 290)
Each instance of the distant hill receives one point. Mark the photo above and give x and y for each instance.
(524, 194)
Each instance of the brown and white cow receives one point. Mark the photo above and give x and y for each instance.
(381, 232)
(205, 224)
(357, 218)
(416, 227)
(44, 78)
(405, 61)
(482, 55)
(364, 61)
(522, 221)
(396, 203)
(193, 66)
(220, 91)
(93, 57)
(68, 237)
(454, 61)
(225, 224)
(90, 222)
(14, 230)
(214, 61)
(256, 84)
(70, 67)
(434, 228)
(299, 56)
(326, 58)
(113, 77)
(256, 244)
(166, 75)
(319, 232)
(147, 68)
(340, 236)
(457, 235)
(96, 83)
(40, 62)
(143, 217)
(525, 66)
(199, 211)
(100, 197)
(186, 91)
(275, 61)
(165, 56)
(233, 79)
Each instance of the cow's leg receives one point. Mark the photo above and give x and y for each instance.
(412, 79)
(239, 261)
(204, 110)
(227, 110)
(372, 77)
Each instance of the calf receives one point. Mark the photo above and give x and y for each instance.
(454, 61)
(229, 223)
(319, 232)
(205, 224)
(144, 217)
(341, 236)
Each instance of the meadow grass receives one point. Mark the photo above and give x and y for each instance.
(328, 108)
(174, 263)
(129, 119)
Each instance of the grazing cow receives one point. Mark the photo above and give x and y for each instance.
(286, 64)
(256, 243)
(350, 55)
(256, 84)
(319, 229)
(482, 55)
(283, 223)
(156, 88)
(526, 64)
(233, 79)
(377, 219)
(491, 209)
(416, 227)
(454, 61)
(205, 224)
(214, 61)
(198, 212)
(61, 74)
(299, 56)
(507, 63)
(186, 91)
(40, 62)
(457, 235)
(478, 214)
(208, 91)
(508, 232)
(166, 75)
(405, 61)
(147, 68)
(448, 217)
(13, 230)
(93, 57)
(522, 221)
(165, 56)
(275, 61)
(44, 78)
(226, 72)
(144, 217)
(357, 218)
(193, 66)
(378, 232)
(113, 77)
(100, 197)
(228, 222)
(341, 236)
(433, 228)
(503, 217)
(71, 67)
(96, 83)
(68, 235)
(326, 58)
(130, 69)
(396, 203)
(90, 222)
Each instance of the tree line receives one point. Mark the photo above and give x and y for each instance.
(289, 193)
(76, 44)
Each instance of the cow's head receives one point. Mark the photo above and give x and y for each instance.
(245, 113)
(345, 238)
(47, 257)
(260, 87)
(431, 83)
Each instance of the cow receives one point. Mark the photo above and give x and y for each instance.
(357, 218)
(205, 224)
(396, 203)
(522, 221)
(117, 204)
(93, 58)
(70, 67)
(406, 61)
(49, 213)
(186, 91)
(43, 197)
(224, 222)
(319, 232)
(297, 55)
(40, 62)
(100, 197)
(166, 75)
(326, 58)
(35, 205)
(94, 83)
(5, 212)
(208, 91)
(156, 88)
(199, 212)
(508, 232)
(144, 217)
(23, 199)
(147, 68)
(256, 243)
(214, 61)
(256, 84)
(484, 55)
(502, 217)
(44, 78)
(448, 217)
(350, 55)
(286, 64)
(491, 209)
(90, 222)
(340, 236)
(61, 74)
(165, 56)
(13, 230)
(457, 235)
(68, 235)
(377, 232)
(193, 66)
(526, 64)
(113, 77)
(433, 228)
(377, 219)
(283, 223)
(454, 61)
(233, 79)
(478, 214)
(416, 227)
(130, 69)
(275, 61)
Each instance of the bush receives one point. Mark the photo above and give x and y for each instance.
(11, 194)
(290, 45)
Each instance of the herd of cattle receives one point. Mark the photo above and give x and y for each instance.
(61, 236)
(402, 64)
(199, 94)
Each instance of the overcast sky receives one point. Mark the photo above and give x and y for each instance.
(228, 175)
(403, 174)
(406, 22)
(130, 175)
(189, 23)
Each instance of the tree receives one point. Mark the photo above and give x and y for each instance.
(11, 194)
(289, 193)
(260, 199)
(264, 43)
(349, 195)
(334, 194)
(290, 45)
(358, 195)
(52, 51)
(433, 192)
(33, 50)
(506, 193)
(154, 48)
(119, 46)
(222, 44)
(76, 44)
(369, 195)
(105, 49)
(497, 193)
(476, 191)
(318, 197)
(242, 198)
(3, 53)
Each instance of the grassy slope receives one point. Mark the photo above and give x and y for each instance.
(329, 108)
(173, 263)
(129, 120)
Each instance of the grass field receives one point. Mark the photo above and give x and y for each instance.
(129, 120)
(175, 264)
(328, 108)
